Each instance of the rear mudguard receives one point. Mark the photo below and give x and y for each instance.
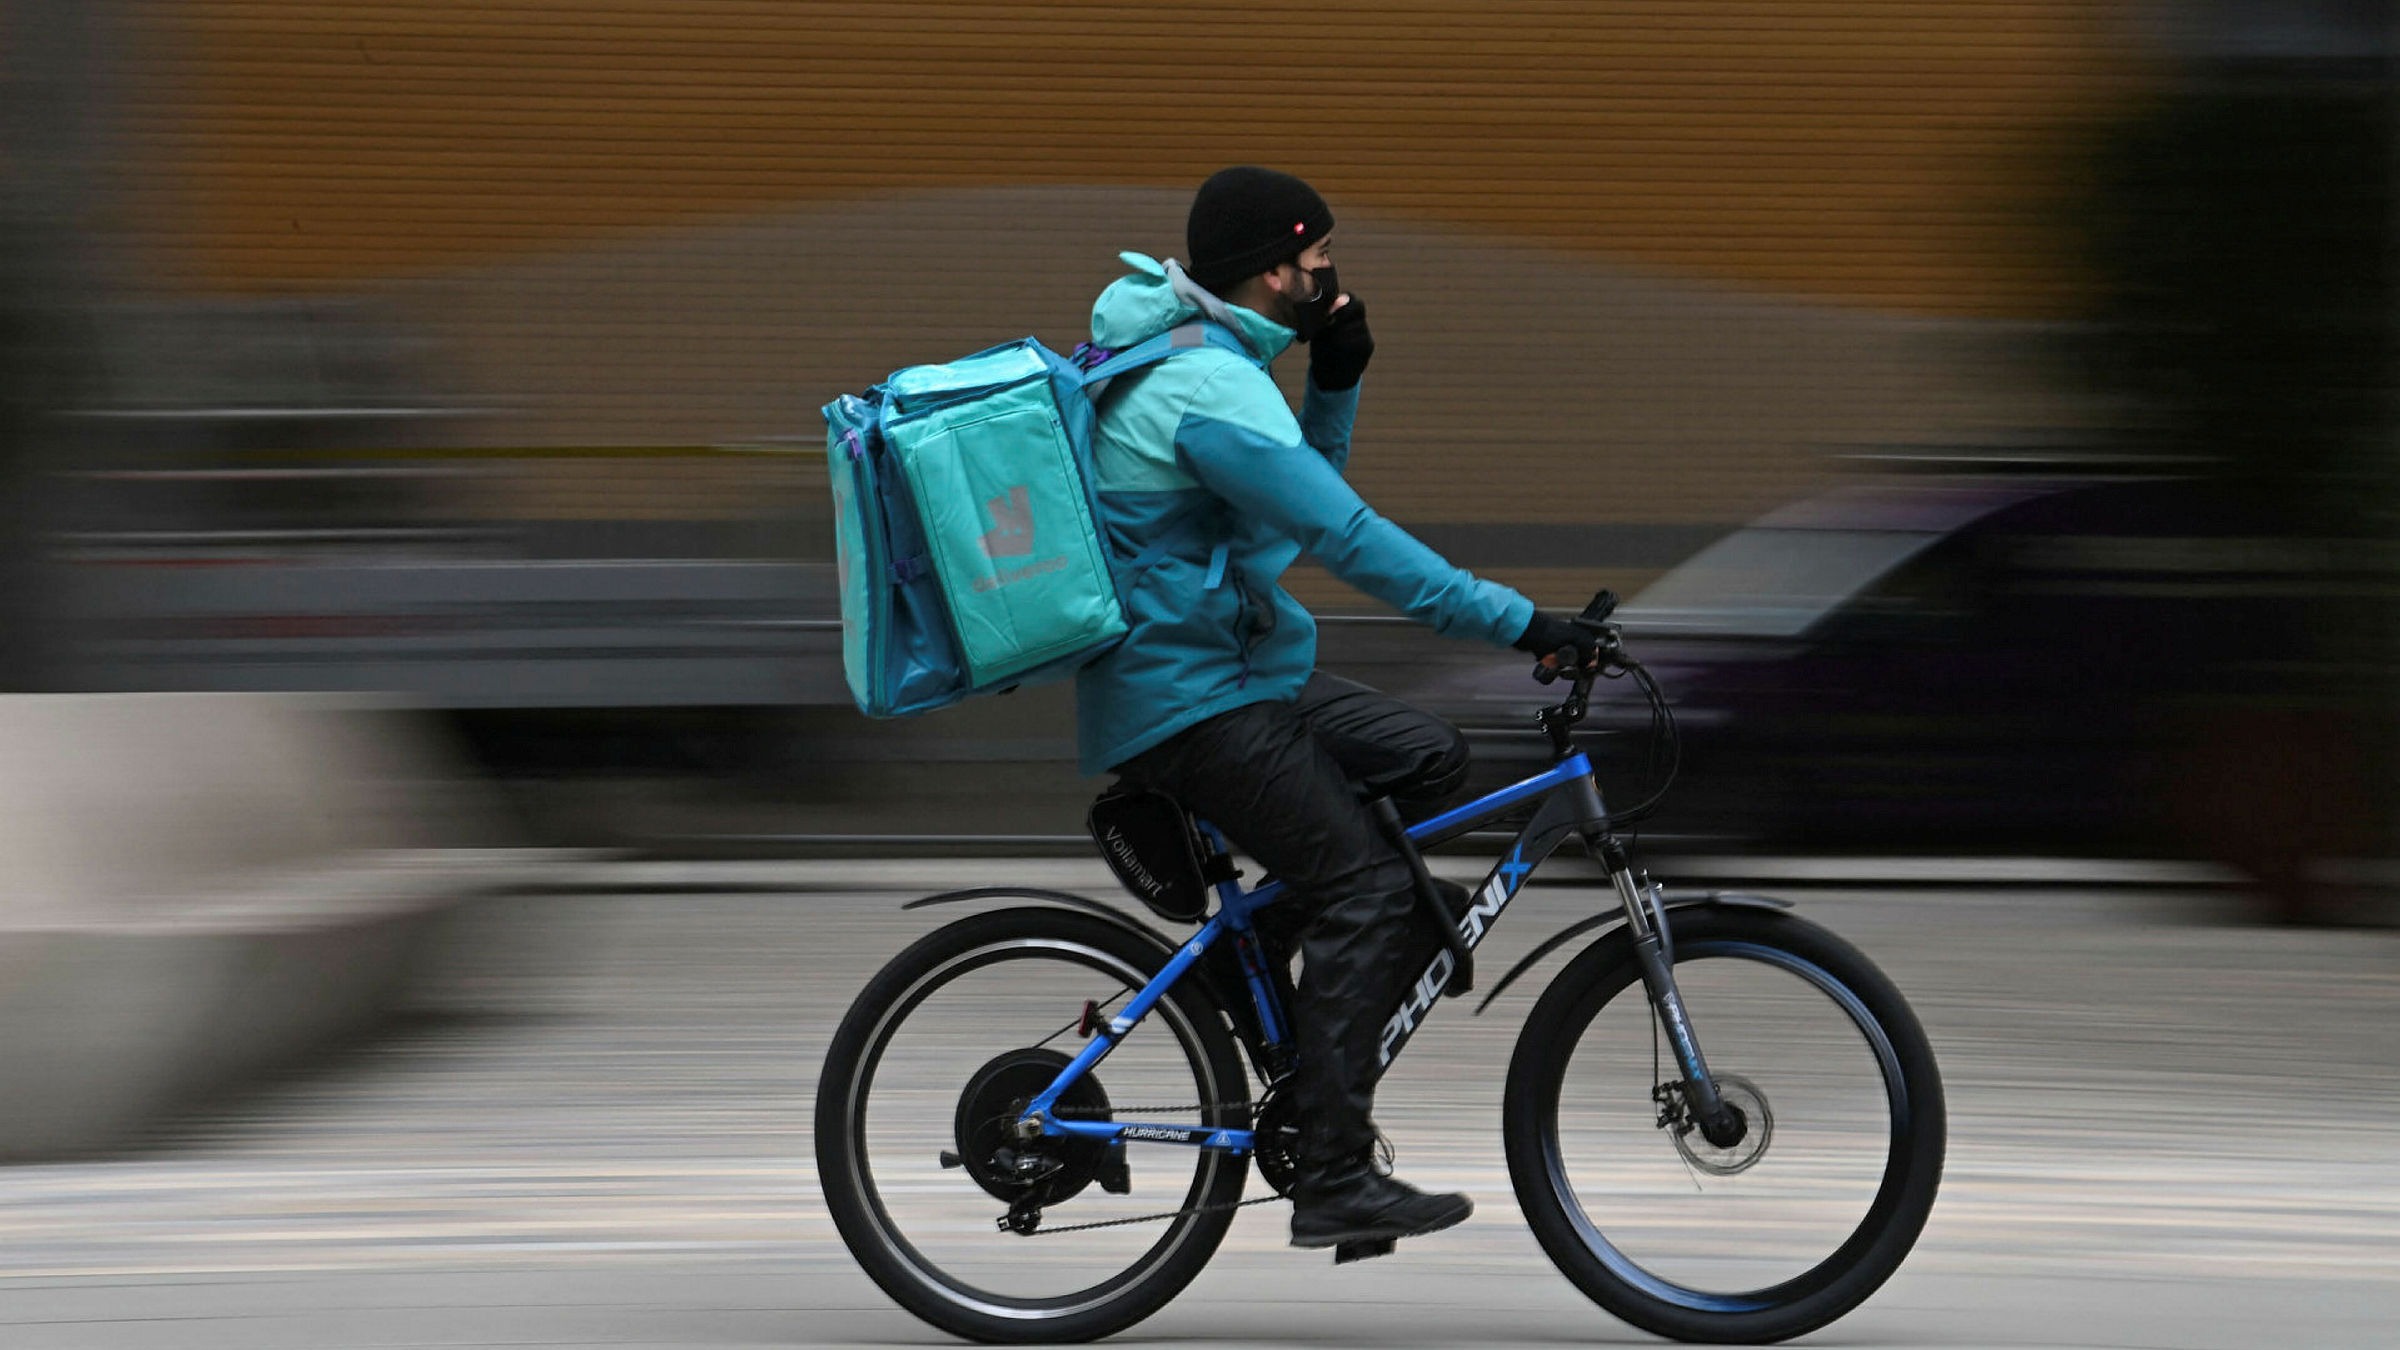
(1605, 922)
(1067, 898)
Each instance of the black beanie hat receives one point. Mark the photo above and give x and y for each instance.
(1246, 220)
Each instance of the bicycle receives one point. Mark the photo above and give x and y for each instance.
(1844, 1155)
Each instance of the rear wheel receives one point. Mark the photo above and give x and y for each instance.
(991, 1237)
(1768, 1236)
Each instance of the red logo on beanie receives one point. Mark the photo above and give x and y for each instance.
(1300, 228)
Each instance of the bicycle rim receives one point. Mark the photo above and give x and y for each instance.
(1767, 1223)
(958, 1020)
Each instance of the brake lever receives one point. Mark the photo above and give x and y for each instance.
(1612, 649)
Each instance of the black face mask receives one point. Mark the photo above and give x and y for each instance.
(1310, 316)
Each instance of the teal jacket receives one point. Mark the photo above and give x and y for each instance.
(1202, 469)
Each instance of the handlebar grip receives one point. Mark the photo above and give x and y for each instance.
(1597, 612)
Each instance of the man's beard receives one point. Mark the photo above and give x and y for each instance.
(1310, 316)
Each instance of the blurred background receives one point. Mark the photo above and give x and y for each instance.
(473, 353)
(409, 454)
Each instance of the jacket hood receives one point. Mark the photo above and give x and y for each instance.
(1156, 296)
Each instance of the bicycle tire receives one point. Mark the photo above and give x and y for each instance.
(886, 1254)
(1573, 1240)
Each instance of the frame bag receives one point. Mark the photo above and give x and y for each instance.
(1150, 842)
(967, 533)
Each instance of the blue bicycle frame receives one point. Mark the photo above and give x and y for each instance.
(1571, 804)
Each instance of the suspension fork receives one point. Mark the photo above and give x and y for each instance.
(1653, 946)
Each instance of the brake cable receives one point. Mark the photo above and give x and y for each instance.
(1663, 734)
(1615, 664)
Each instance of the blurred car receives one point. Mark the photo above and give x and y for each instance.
(2056, 664)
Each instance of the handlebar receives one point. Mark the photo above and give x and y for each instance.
(1593, 619)
(1610, 659)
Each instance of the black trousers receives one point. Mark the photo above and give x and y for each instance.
(1283, 781)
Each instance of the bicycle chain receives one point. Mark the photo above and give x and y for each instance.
(1149, 1218)
(1113, 1109)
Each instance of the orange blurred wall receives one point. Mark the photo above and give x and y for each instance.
(1886, 155)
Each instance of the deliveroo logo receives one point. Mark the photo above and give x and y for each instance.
(1011, 536)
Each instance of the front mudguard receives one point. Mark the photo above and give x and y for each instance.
(1604, 924)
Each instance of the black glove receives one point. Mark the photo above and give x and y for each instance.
(1339, 355)
(1547, 636)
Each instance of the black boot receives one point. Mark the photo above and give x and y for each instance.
(1346, 1201)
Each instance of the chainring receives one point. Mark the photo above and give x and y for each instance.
(1276, 1140)
(1043, 1171)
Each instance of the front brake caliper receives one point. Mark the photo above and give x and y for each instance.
(1674, 1111)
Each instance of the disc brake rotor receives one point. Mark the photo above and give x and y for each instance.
(1744, 1096)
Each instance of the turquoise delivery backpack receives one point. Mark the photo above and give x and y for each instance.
(966, 525)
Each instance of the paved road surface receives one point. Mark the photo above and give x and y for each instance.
(2166, 1132)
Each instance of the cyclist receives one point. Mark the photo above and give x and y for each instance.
(1213, 697)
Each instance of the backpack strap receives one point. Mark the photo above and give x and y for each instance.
(1198, 333)
(1182, 525)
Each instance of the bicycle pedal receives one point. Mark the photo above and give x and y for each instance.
(1366, 1250)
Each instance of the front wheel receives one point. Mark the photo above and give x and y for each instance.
(1778, 1232)
(991, 1237)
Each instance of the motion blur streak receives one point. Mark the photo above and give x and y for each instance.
(408, 466)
